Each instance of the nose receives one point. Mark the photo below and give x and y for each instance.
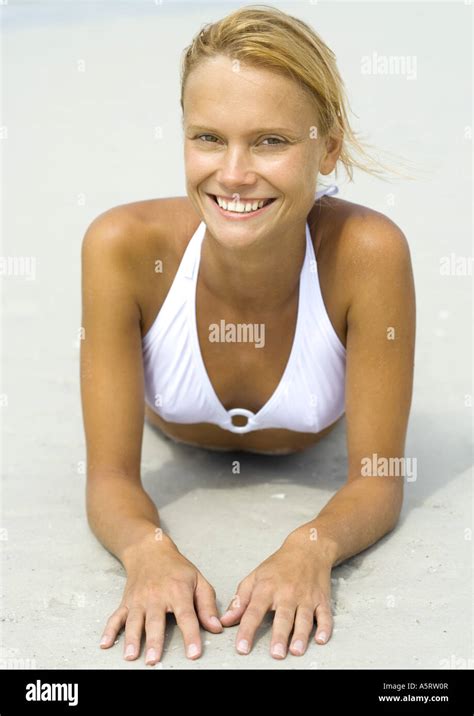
(236, 168)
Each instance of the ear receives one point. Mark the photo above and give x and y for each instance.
(331, 154)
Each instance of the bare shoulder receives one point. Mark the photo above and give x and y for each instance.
(366, 230)
(139, 234)
(354, 229)
(357, 241)
(362, 257)
(376, 254)
(132, 227)
(137, 248)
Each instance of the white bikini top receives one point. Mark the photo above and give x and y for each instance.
(311, 392)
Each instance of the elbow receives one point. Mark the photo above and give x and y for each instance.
(394, 502)
(394, 521)
(395, 513)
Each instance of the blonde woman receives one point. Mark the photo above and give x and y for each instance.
(251, 314)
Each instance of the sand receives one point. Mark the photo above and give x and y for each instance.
(91, 97)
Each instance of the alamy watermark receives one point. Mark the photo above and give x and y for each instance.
(456, 662)
(223, 332)
(18, 266)
(44, 691)
(375, 466)
(455, 265)
(375, 64)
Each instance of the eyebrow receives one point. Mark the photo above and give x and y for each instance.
(258, 130)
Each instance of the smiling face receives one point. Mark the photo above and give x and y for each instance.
(250, 137)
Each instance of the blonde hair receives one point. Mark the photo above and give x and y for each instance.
(265, 37)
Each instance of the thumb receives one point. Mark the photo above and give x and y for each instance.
(205, 602)
(238, 605)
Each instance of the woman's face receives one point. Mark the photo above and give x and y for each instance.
(250, 135)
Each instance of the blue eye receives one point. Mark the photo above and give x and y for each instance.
(205, 135)
(280, 141)
(274, 141)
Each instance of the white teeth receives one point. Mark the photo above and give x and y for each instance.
(239, 206)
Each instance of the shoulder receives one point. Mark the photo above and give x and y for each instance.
(365, 246)
(124, 228)
(125, 242)
(380, 286)
(369, 233)
(122, 246)
(376, 256)
(353, 228)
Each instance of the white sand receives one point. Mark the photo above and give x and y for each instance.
(80, 142)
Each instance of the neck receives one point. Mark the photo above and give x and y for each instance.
(262, 277)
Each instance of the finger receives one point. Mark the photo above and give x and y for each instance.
(304, 623)
(282, 626)
(133, 632)
(188, 623)
(325, 622)
(155, 626)
(238, 604)
(250, 621)
(205, 599)
(113, 626)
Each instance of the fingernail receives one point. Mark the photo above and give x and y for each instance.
(130, 651)
(278, 650)
(215, 622)
(192, 650)
(151, 655)
(298, 646)
(228, 612)
(243, 646)
(322, 636)
(105, 640)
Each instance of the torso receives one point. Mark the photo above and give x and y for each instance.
(241, 378)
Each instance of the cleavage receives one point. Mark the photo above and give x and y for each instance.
(242, 374)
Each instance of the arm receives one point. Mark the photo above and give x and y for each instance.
(119, 511)
(295, 581)
(379, 379)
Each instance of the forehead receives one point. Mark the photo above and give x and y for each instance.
(223, 85)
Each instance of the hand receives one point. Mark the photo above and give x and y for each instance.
(159, 581)
(295, 583)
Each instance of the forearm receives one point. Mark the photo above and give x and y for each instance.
(357, 516)
(123, 517)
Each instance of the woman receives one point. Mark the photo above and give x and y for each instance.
(247, 316)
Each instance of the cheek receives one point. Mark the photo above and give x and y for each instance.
(197, 164)
(290, 174)
(294, 165)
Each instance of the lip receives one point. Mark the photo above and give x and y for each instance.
(239, 216)
(244, 198)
